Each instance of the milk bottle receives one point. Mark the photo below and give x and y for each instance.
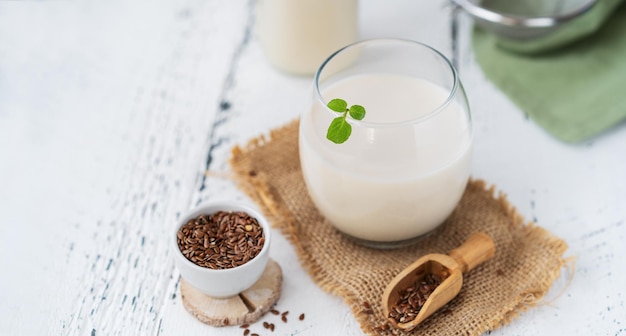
(297, 35)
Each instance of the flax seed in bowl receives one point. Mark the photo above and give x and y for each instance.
(221, 248)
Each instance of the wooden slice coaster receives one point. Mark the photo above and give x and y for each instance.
(247, 307)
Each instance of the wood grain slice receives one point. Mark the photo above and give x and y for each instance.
(247, 307)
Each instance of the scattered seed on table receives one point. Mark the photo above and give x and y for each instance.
(301, 317)
(246, 332)
(244, 326)
(284, 318)
(275, 312)
(367, 308)
(382, 327)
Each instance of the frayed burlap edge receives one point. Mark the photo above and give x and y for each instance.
(256, 187)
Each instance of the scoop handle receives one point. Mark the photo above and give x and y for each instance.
(478, 248)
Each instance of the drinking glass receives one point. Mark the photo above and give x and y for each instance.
(406, 164)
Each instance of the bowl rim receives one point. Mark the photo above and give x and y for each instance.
(223, 205)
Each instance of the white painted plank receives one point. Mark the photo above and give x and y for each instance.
(109, 104)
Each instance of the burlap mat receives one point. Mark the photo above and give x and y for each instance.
(528, 258)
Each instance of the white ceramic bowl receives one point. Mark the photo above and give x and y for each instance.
(224, 282)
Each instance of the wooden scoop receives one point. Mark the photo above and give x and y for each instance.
(478, 248)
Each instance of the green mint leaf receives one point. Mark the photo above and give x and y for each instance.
(338, 105)
(339, 130)
(357, 112)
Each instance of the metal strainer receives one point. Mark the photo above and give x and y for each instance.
(524, 19)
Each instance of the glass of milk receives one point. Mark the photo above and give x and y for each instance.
(405, 165)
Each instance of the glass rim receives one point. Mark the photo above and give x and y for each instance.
(417, 120)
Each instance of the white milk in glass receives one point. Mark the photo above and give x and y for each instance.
(397, 176)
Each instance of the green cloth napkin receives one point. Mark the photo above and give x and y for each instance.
(574, 92)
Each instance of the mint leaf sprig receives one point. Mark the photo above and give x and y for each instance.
(340, 129)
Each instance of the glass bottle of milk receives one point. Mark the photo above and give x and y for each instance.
(297, 35)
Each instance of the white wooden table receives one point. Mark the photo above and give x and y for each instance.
(111, 112)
